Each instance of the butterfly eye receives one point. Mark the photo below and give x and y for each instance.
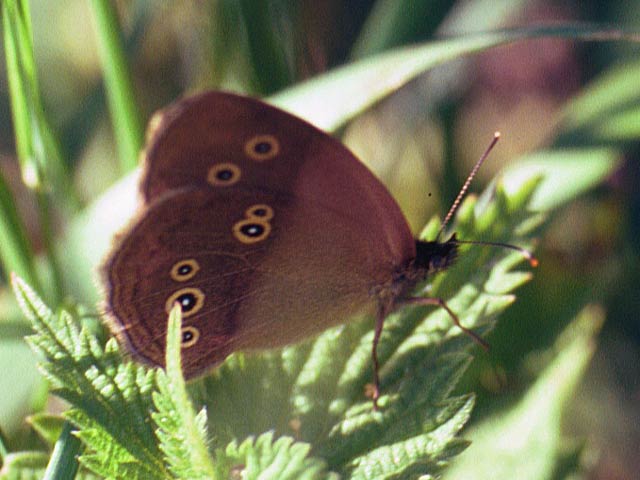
(184, 270)
(262, 147)
(224, 174)
(263, 212)
(190, 336)
(190, 299)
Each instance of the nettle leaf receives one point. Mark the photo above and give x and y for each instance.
(267, 457)
(314, 392)
(425, 454)
(107, 455)
(182, 434)
(111, 399)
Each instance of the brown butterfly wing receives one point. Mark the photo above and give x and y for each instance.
(216, 128)
(296, 280)
(213, 128)
(286, 231)
(141, 274)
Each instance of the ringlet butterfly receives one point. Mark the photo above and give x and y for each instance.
(265, 230)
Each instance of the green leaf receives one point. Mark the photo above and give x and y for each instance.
(47, 426)
(24, 466)
(422, 455)
(111, 399)
(107, 455)
(265, 457)
(31, 466)
(330, 100)
(388, 25)
(314, 392)
(586, 167)
(182, 433)
(31, 305)
(38, 152)
(607, 111)
(526, 442)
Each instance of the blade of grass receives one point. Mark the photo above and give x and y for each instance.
(11, 22)
(225, 15)
(267, 44)
(56, 282)
(125, 117)
(607, 112)
(16, 253)
(38, 151)
(329, 100)
(42, 168)
(392, 23)
(63, 464)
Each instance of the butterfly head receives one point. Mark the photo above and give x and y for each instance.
(434, 256)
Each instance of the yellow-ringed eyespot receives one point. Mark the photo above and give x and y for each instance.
(190, 299)
(262, 147)
(260, 211)
(251, 230)
(190, 336)
(184, 270)
(224, 174)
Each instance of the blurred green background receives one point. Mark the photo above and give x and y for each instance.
(421, 141)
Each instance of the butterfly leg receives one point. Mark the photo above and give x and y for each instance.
(441, 303)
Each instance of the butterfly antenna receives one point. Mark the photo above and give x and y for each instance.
(533, 261)
(465, 187)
